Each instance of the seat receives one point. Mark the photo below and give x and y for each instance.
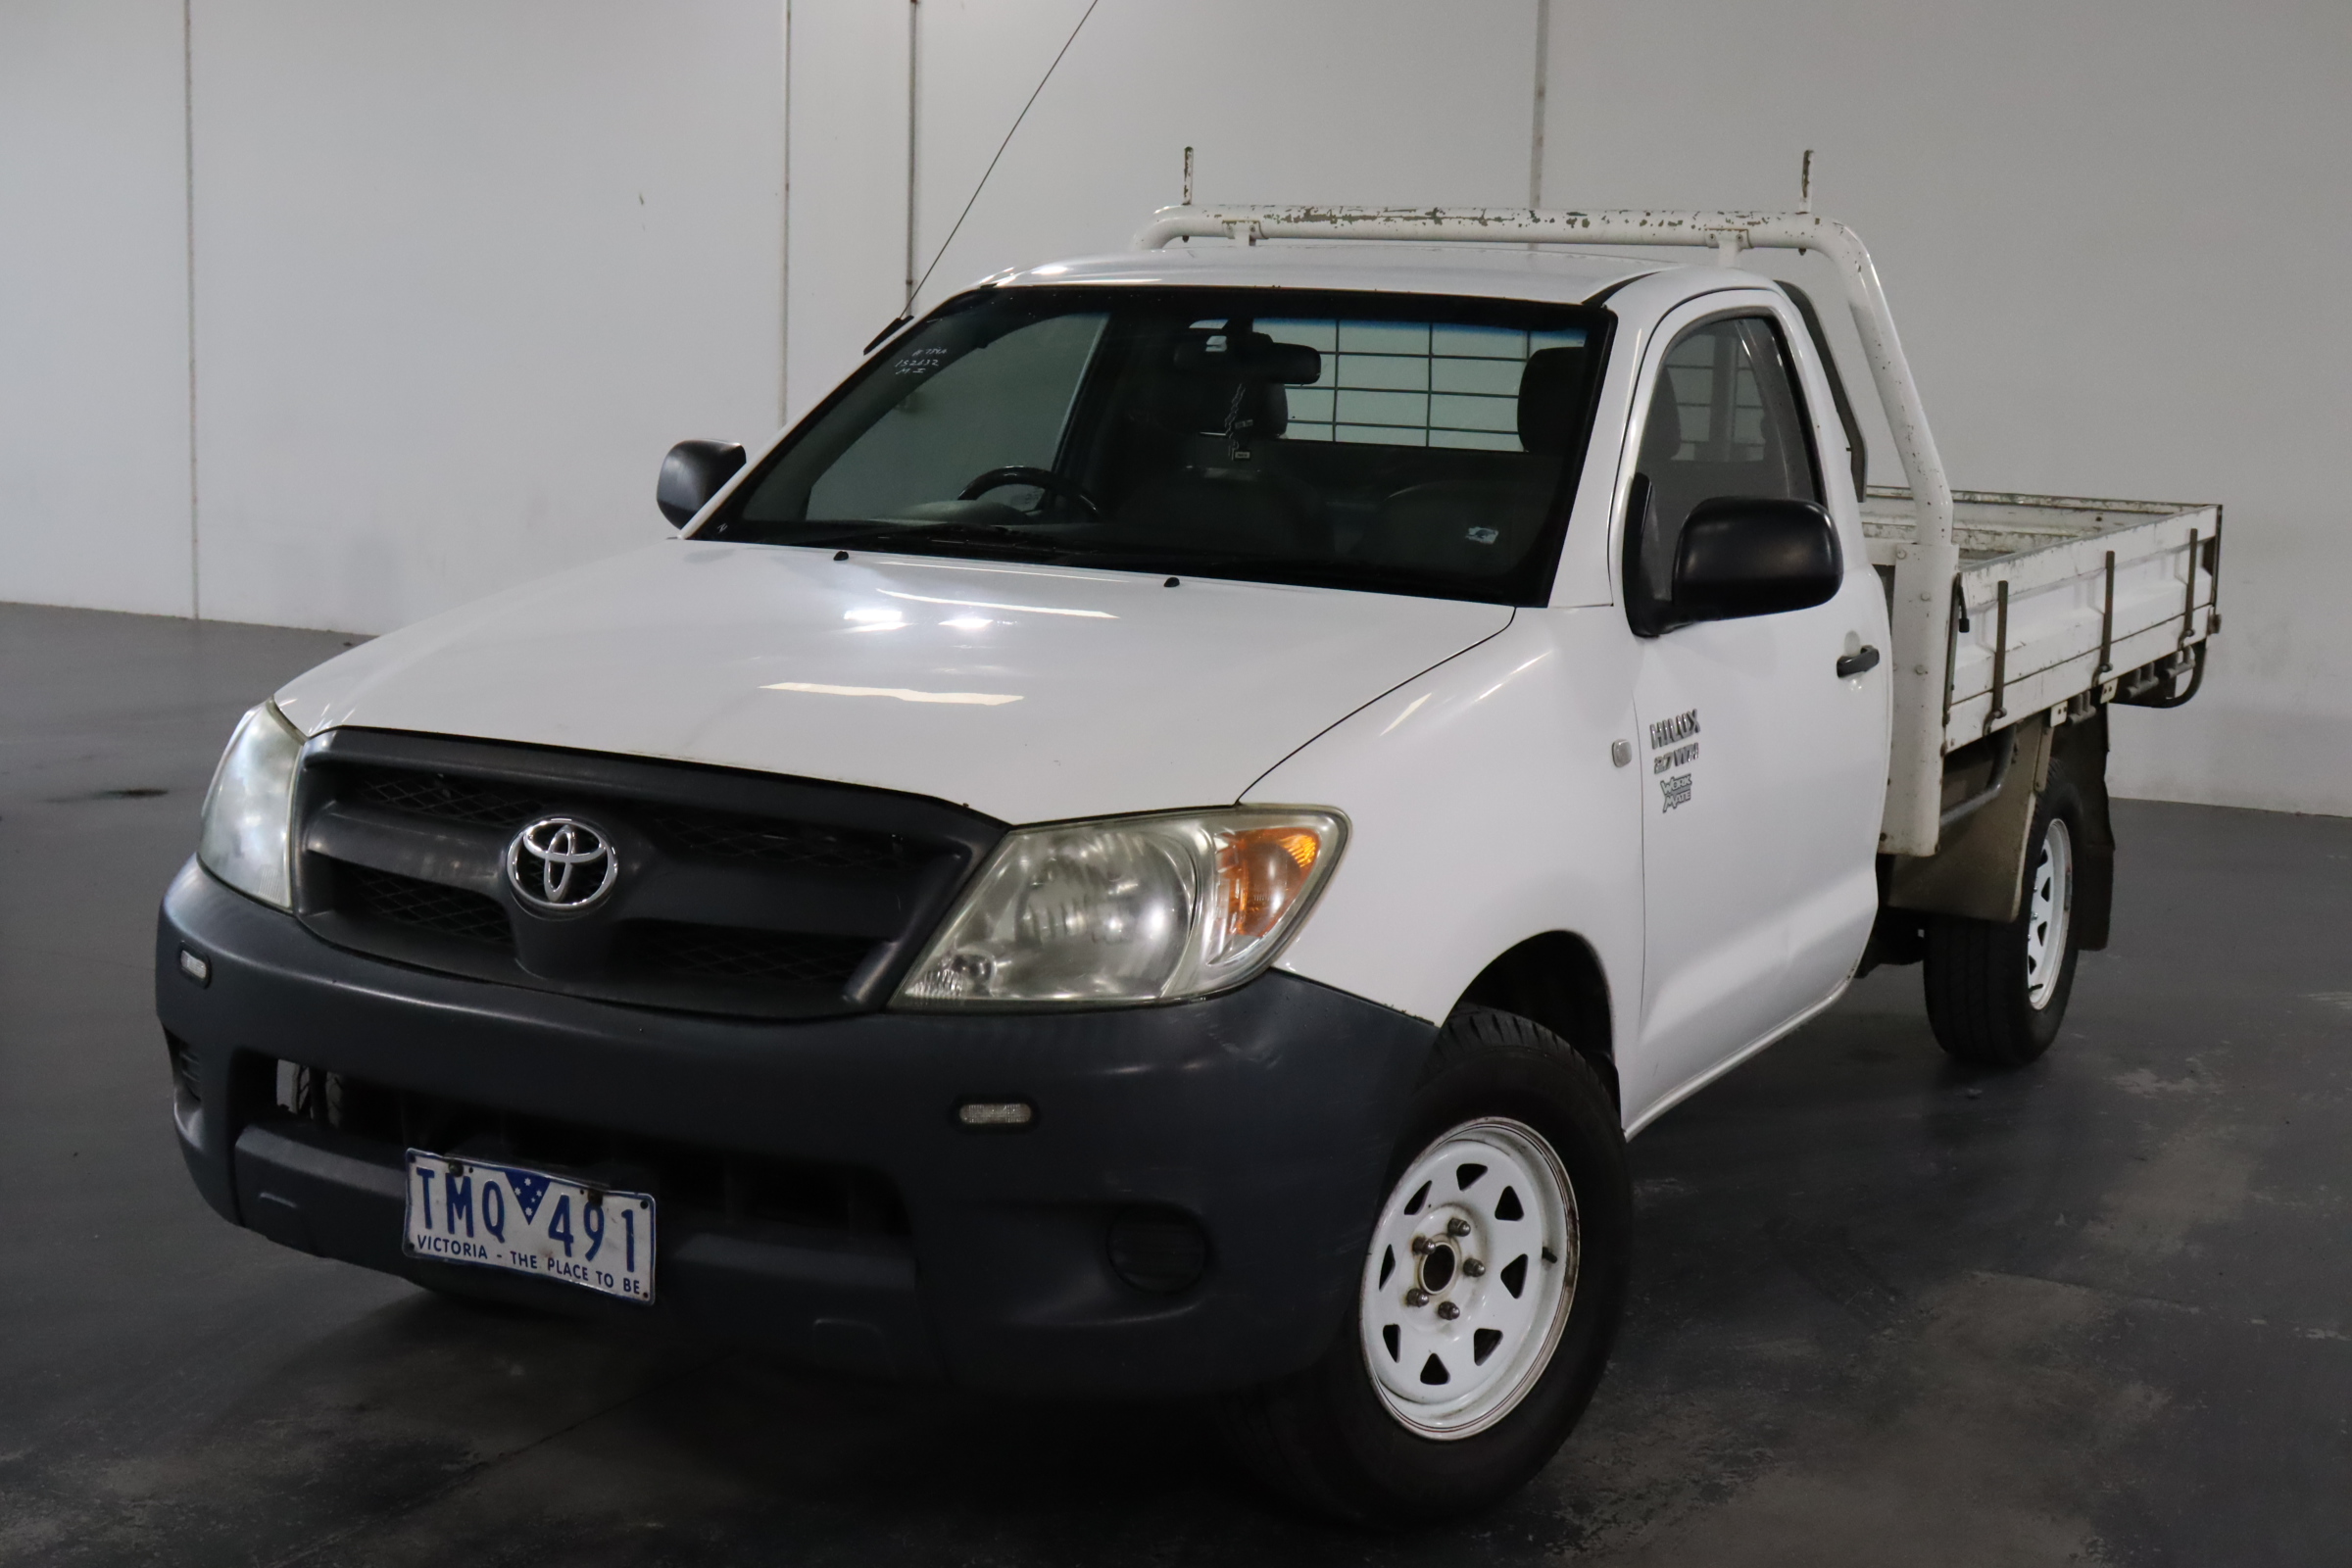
(1551, 400)
(1202, 394)
(1221, 496)
(1478, 528)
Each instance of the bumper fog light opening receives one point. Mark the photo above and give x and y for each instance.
(1157, 1250)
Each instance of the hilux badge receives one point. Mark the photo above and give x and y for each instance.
(560, 865)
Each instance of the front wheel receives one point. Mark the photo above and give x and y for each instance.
(1997, 991)
(1490, 1293)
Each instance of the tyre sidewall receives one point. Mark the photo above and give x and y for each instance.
(2040, 1026)
(1536, 1080)
(1976, 971)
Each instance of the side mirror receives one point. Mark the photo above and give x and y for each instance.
(1754, 556)
(691, 476)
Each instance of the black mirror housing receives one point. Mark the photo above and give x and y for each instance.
(1744, 556)
(692, 473)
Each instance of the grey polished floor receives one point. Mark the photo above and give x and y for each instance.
(1887, 1311)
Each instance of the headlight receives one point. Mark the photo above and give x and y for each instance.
(248, 813)
(1143, 908)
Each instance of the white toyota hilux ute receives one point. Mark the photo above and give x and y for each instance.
(1161, 839)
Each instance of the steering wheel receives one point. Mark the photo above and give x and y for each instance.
(1045, 479)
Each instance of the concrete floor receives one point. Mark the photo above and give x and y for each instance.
(1887, 1311)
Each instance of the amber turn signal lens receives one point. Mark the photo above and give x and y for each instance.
(1260, 873)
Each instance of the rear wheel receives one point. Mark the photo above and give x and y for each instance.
(1998, 991)
(1490, 1293)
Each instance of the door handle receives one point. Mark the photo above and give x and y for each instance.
(1857, 663)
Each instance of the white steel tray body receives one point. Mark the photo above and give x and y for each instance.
(2047, 557)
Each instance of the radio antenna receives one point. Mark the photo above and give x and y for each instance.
(907, 313)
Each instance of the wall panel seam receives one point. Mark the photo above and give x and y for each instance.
(187, 141)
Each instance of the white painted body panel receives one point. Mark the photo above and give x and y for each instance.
(1469, 744)
(1052, 693)
(1720, 925)
(1760, 882)
(1485, 810)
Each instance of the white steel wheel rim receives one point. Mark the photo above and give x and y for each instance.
(2049, 909)
(1495, 1217)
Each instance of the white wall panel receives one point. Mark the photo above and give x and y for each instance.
(463, 270)
(93, 306)
(2110, 233)
(1372, 101)
(1310, 100)
(463, 273)
(849, 184)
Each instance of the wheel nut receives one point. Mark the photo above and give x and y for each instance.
(1473, 1267)
(1420, 1244)
(1417, 1296)
(1457, 1226)
(1448, 1311)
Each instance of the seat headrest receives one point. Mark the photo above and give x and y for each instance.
(1551, 399)
(1197, 405)
(1199, 391)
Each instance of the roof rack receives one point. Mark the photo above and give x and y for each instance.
(1923, 576)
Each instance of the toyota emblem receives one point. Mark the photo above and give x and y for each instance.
(560, 865)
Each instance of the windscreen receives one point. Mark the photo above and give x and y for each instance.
(1401, 443)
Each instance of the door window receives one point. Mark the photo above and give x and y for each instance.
(1724, 421)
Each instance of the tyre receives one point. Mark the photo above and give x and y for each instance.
(1490, 1293)
(1998, 991)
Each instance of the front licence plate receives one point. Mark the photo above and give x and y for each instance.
(528, 1222)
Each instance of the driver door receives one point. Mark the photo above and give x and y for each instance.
(1766, 767)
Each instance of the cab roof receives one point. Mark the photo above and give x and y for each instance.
(1566, 277)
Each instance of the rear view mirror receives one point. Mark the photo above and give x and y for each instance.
(1754, 556)
(1249, 357)
(692, 473)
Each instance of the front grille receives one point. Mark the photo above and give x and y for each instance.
(736, 892)
(719, 1185)
(706, 835)
(438, 795)
(723, 836)
(406, 901)
(725, 952)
